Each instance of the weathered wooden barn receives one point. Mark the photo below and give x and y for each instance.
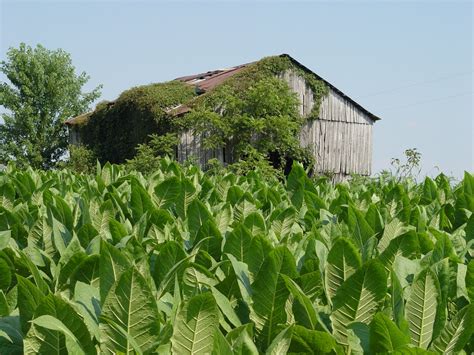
(340, 138)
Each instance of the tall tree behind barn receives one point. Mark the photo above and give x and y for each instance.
(339, 134)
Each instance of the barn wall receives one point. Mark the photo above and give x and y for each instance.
(74, 135)
(191, 148)
(341, 138)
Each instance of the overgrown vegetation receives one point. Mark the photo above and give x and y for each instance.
(187, 262)
(115, 129)
(252, 113)
(149, 155)
(262, 119)
(81, 160)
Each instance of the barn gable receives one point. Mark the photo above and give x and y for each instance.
(341, 138)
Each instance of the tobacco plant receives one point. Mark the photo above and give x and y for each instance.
(185, 262)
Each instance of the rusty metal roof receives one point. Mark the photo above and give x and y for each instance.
(209, 80)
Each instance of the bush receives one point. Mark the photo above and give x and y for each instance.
(147, 159)
(81, 159)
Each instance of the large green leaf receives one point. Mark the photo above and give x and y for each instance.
(195, 326)
(224, 218)
(87, 304)
(6, 273)
(51, 339)
(392, 230)
(198, 215)
(361, 230)
(140, 201)
(358, 299)
(238, 242)
(270, 294)
(226, 307)
(29, 297)
(421, 308)
(11, 337)
(343, 260)
(397, 301)
(241, 340)
(307, 341)
(296, 185)
(385, 336)
(430, 191)
(112, 264)
(470, 280)
(303, 309)
(4, 307)
(242, 275)
(73, 345)
(186, 195)
(457, 332)
(167, 192)
(195, 279)
(405, 245)
(133, 307)
(87, 271)
(170, 254)
(221, 346)
(283, 222)
(255, 223)
(281, 343)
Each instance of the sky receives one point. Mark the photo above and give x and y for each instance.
(410, 63)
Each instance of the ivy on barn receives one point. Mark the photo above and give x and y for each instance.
(252, 111)
(115, 129)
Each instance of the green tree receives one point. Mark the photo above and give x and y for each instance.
(260, 123)
(41, 92)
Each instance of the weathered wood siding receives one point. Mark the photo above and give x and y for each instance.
(341, 138)
(74, 135)
(191, 148)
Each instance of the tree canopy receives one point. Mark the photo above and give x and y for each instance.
(42, 90)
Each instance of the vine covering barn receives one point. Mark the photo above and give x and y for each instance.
(221, 114)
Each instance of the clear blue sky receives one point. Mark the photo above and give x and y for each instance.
(373, 51)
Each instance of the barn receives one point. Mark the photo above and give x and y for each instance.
(339, 135)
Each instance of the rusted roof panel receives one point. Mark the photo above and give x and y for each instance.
(211, 79)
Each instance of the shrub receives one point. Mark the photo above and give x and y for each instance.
(81, 159)
(148, 156)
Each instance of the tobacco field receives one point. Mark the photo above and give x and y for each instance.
(187, 262)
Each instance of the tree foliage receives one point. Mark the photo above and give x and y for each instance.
(42, 91)
(263, 119)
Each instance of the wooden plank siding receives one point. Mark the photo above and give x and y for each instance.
(191, 147)
(340, 139)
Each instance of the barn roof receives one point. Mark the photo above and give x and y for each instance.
(209, 80)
